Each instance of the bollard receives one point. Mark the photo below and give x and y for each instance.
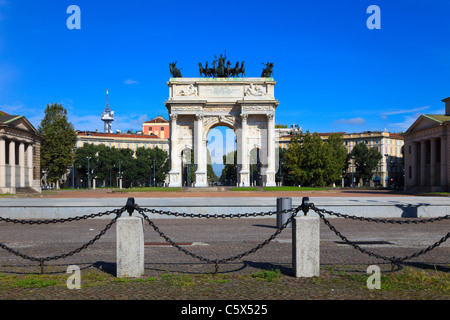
(306, 246)
(130, 247)
(284, 204)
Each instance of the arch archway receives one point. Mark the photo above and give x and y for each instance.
(233, 103)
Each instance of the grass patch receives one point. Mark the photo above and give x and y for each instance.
(268, 275)
(244, 189)
(178, 280)
(148, 189)
(287, 188)
(29, 281)
(406, 279)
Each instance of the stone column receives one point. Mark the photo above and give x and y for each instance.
(2, 163)
(22, 164)
(306, 246)
(12, 162)
(175, 171)
(199, 153)
(244, 172)
(30, 164)
(130, 247)
(270, 173)
(444, 161)
(433, 162)
(413, 164)
(423, 154)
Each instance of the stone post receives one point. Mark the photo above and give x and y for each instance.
(130, 247)
(306, 246)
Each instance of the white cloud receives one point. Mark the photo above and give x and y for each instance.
(402, 111)
(358, 120)
(129, 81)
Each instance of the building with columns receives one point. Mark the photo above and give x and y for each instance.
(427, 146)
(19, 154)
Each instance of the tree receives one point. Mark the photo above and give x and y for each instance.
(307, 160)
(366, 160)
(229, 172)
(310, 161)
(337, 157)
(152, 165)
(58, 142)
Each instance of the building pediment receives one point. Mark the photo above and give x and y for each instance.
(18, 123)
(426, 122)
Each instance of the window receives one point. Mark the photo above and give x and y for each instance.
(162, 128)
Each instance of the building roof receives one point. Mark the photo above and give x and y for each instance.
(116, 135)
(6, 118)
(158, 119)
(438, 117)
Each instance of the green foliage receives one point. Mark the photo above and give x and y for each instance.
(229, 172)
(143, 167)
(365, 160)
(58, 142)
(310, 161)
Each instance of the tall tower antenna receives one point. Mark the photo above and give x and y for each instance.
(107, 116)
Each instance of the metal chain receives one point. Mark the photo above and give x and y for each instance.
(118, 213)
(392, 259)
(219, 261)
(346, 216)
(62, 220)
(216, 216)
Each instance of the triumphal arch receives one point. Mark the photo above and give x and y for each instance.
(245, 105)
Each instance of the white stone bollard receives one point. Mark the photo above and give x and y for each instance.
(306, 246)
(130, 247)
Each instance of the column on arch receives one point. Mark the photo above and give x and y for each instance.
(175, 165)
(243, 145)
(270, 172)
(199, 153)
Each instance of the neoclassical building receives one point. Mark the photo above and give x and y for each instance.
(427, 146)
(19, 154)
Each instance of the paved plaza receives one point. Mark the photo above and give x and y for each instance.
(218, 239)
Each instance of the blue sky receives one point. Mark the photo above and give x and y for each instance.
(333, 73)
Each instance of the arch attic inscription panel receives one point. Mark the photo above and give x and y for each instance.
(245, 105)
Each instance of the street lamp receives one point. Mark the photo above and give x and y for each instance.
(89, 180)
(352, 159)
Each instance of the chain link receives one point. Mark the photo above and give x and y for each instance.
(224, 260)
(392, 259)
(214, 216)
(392, 221)
(118, 213)
(305, 207)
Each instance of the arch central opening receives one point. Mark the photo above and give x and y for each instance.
(222, 155)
